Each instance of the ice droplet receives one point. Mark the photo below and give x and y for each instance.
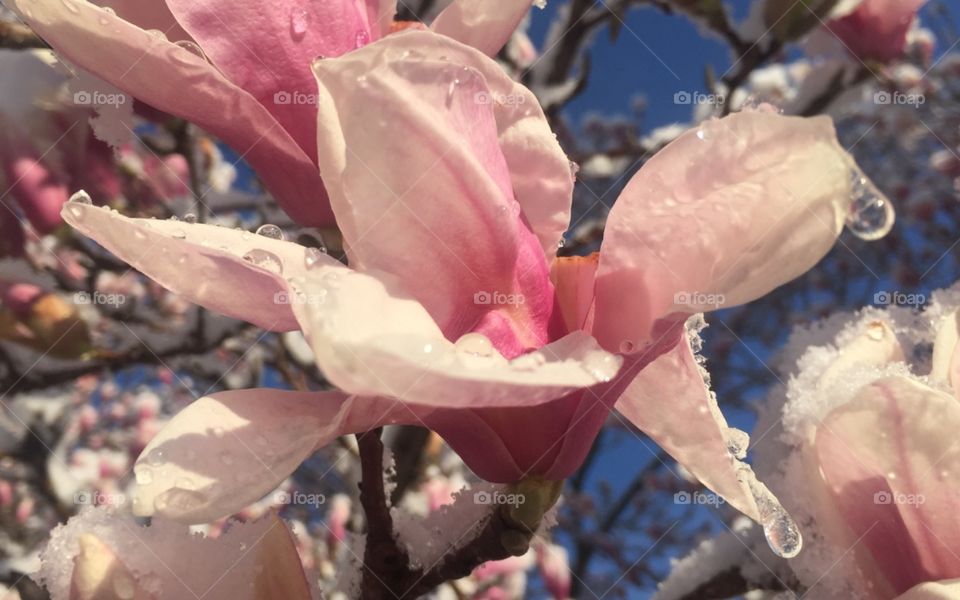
(271, 231)
(783, 535)
(738, 442)
(871, 215)
(299, 22)
(603, 366)
(474, 344)
(267, 261)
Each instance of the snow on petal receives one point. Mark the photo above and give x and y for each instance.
(721, 216)
(156, 71)
(237, 273)
(484, 24)
(372, 339)
(876, 345)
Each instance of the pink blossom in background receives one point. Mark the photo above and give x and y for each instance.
(246, 66)
(455, 312)
(877, 29)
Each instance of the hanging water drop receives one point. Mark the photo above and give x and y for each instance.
(783, 535)
(871, 215)
(299, 22)
(267, 261)
(157, 34)
(474, 344)
(271, 231)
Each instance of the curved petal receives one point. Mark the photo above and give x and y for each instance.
(233, 272)
(721, 216)
(484, 24)
(877, 29)
(670, 401)
(946, 357)
(371, 339)
(895, 489)
(173, 79)
(229, 449)
(266, 48)
(452, 194)
(933, 590)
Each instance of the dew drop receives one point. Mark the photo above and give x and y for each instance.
(474, 344)
(143, 474)
(603, 366)
(528, 362)
(313, 257)
(190, 218)
(299, 22)
(362, 38)
(176, 500)
(192, 48)
(178, 234)
(627, 346)
(871, 215)
(156, 457)
(157, 34)
(271, 231)
(81, 197)
(267, 261)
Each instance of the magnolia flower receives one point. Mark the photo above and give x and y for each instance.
(241, 69)
(452, 195)
(876, 29)
(865, 442)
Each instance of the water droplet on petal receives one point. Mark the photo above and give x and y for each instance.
(627, 346)
(178, 234)
(474, 344)
(190, 218)
(271, 231)
(192, 48)
(156, 457)
(871, 215)
(267, 261)
(313, 257)
(81, 197)
(603, 366)
(157, 34)
(362, 38)
(143, 474)
(176, 500)
(299, 22)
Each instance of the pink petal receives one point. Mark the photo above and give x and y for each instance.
(933, 590)
(371, 339)
(236, 273)
(877, 29)
(483, 24)
(229, 449)
(670, 402)
(452, 192)
(722, 215)
(888, 461)
(266, 48)
(38, 190)
(157, 72)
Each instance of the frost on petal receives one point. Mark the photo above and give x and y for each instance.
(237, 273)
(152, 69)
(229, 449)
(482, 24)
(721, 216)
(371, 339)
(671, 401)
(104, 554)
(887, 459)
